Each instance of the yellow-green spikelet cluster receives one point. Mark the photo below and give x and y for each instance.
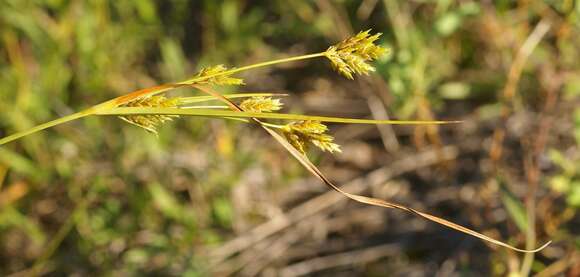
(215, 75)
(261, 104)
(300, 133)
(151, 122)
(351, 55)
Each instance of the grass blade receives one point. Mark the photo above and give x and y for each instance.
(381, 203)
(93, 110)
(364, 199)
(46, 125)
(123, 111)
(513, 205)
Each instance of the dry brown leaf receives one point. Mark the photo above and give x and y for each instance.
(364, 199)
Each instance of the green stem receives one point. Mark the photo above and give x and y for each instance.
(530, 238)
(252, 66)
(124, 111)
(47, 125)
(103, 107)
(272, 125)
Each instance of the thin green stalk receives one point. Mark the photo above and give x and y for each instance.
(103, 107)
(276, 126)
(46, 125)
(237, 119)
(252, 66)
(124, 111)
(528, 260)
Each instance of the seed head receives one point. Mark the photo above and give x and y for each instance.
(351, 55)
(301, 132)
(223, 80)
(151, 122)
(261, 104)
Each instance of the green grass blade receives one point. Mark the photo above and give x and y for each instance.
(219, 113)
(252, 66)
(20, 164)
(514, 206)
(46, 125)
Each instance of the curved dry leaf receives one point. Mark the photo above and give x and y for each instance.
(364, 199)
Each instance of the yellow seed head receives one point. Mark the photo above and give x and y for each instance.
(308, 127)
(325, 142)
(301, 132)
(151, 122)
(209, 79)
(261, 104)
(351, 55)
(297, 140)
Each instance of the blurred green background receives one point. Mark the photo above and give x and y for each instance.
(209, 197)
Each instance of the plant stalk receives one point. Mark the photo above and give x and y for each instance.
(124, 111)
(252, 66)
(114, 103)
(46, 125)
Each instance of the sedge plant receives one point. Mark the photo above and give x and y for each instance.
(149, 108)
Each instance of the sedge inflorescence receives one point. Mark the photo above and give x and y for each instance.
(300, 133)
(261, 104)
(217, 75)
(351, 56)
(150, 122)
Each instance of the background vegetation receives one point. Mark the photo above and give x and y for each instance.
(205, 197)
